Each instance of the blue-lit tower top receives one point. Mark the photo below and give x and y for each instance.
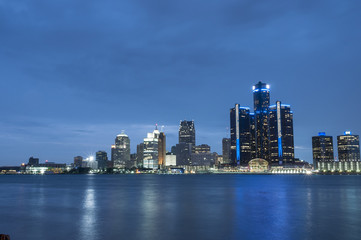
(261, 97)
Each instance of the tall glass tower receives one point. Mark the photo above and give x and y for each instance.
(121, 151)
(261, 97)
(322, 150)
(281, 134)
(240, 135)
(348, 146)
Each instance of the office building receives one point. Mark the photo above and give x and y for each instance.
(261, 97)
(121, 151)
(140, 153)
(102, 159)
(183, 152)
(187, 132)
(281, 134)
(33, 161)
(78, 161)
(170, 159)
(226, 150)
(240, 135)
(322, 149)
(161, 149)
(348, 147)
(151, 150)
(203, 148)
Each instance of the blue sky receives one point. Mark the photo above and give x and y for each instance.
(76, 73)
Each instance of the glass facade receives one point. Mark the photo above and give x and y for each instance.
(226, 150)
(187, 132)
(261, 97)
(102, 158)
(240, 135)
(348, 147)
(121, 151)
(322, 149)
(151, 150)
(281, 134)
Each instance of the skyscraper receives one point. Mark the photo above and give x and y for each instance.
(121, 151)
(348, 147)
(187, 141)
(240, 135)
(261, 97)
(151, 150)
(281, 134)
(187, 132)
(140, 153)
(226, 150)
(102, 158)
(161, 149)
(322, 149)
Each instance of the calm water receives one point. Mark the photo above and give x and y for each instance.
(180, 207)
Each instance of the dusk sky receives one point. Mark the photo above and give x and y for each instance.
(74, 74)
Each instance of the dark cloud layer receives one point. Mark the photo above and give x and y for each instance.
(111, 65)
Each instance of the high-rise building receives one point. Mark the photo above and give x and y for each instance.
(322, 149)
(78, 161)
(226, 150)
(161, 149)
(140, 153)
(281, 134)
(187, 141)
(33, 161)
(151, 150)
(240, 135)
(261, 97)
(121, 151)
(183, 152)
(348, 147)
(187, 132)
(102, 158)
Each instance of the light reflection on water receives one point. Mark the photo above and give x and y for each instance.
(180, 207)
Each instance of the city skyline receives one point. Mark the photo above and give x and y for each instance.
(75, 74)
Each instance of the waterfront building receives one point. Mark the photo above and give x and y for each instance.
(226, 150)
(121, 151)
(281, 134)
(78, 161)
(187, 132)
(133, 160)
(140, 153)
(261, 97)
(203, 148)
(33, 161)
(161, 150)
(170, 159)
(322, 149)
(348, 147)
(183, 152)
(203, 159)
(240, 135)
(151, 150)
(102, 159)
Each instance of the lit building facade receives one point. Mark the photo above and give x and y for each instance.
(161, 149)
(121, 151)
(261, 98)
(240, 135)
(102, 158)
(187, 132)
(226, 150)
(151, 150)
(322, 149)
(281, 134)
(348, 147)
